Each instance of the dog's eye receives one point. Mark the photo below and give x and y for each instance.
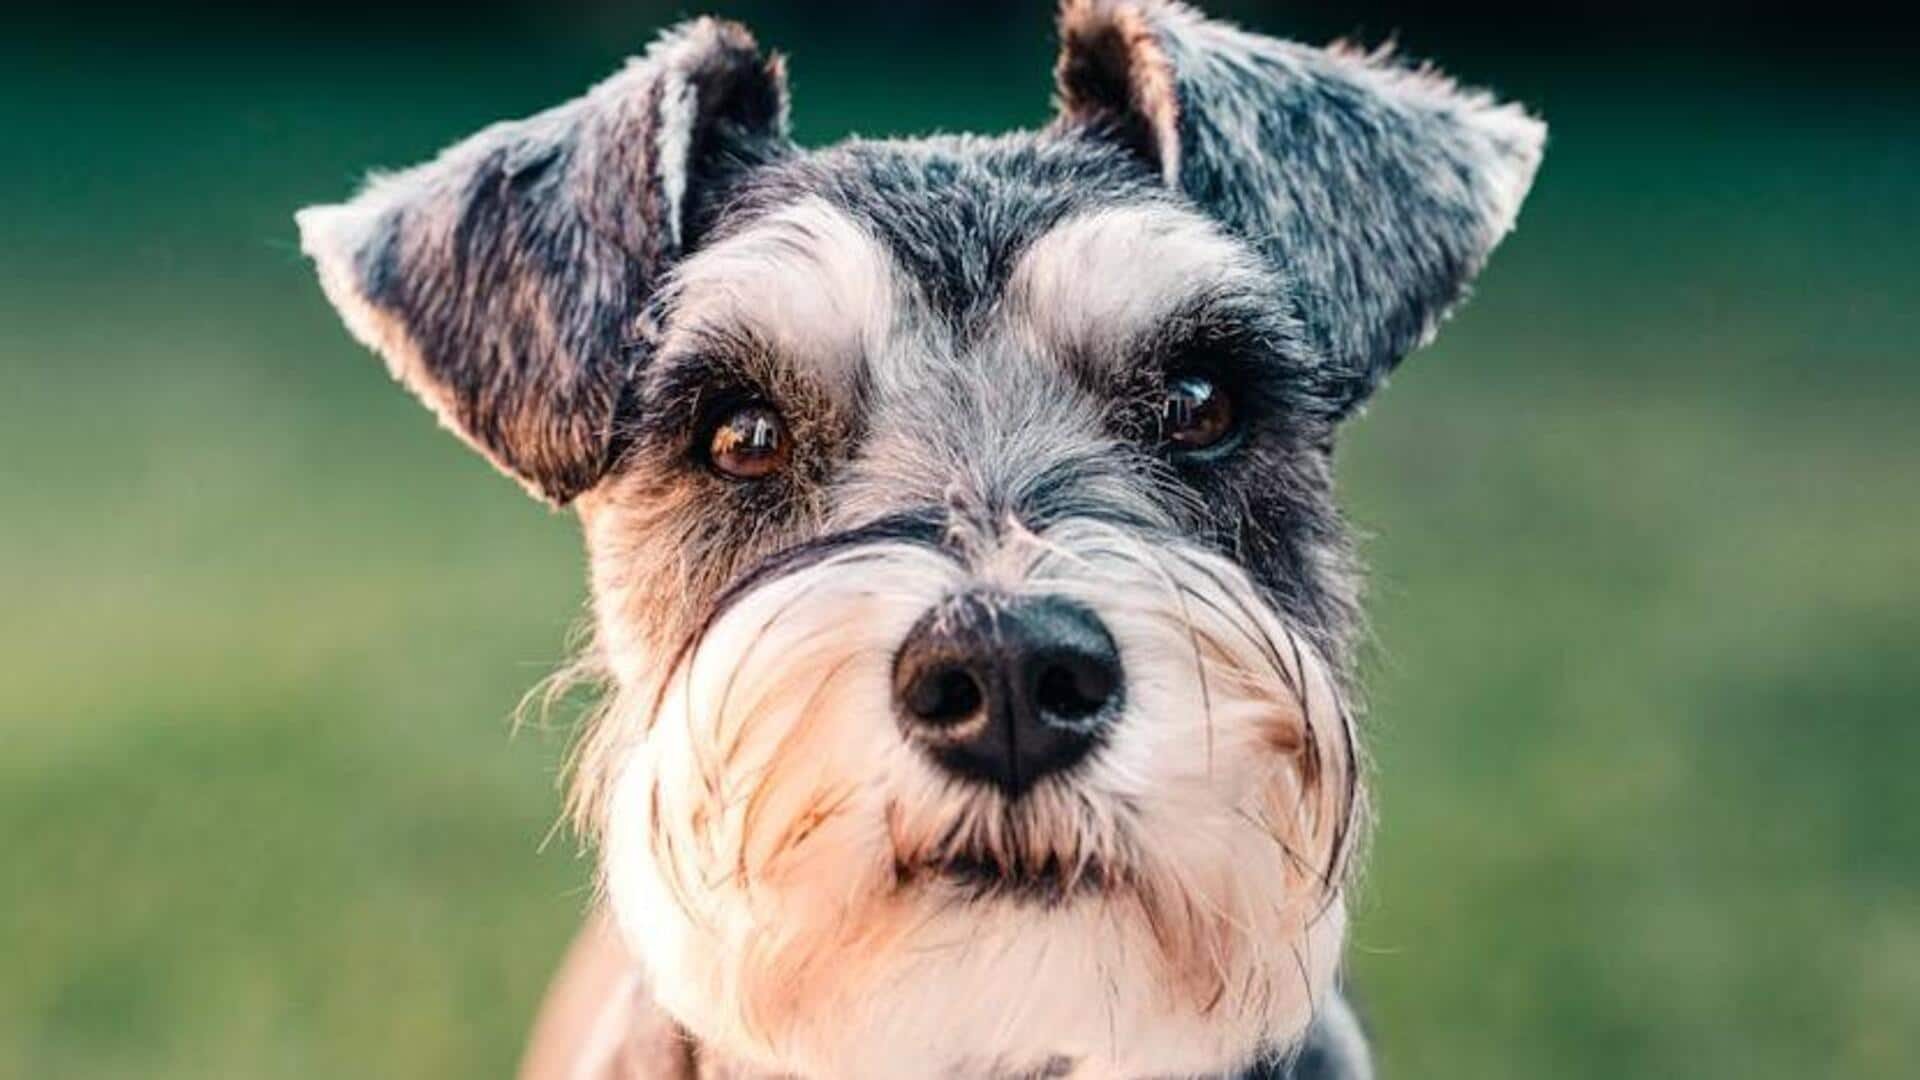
(749, 443)
(1197, 413)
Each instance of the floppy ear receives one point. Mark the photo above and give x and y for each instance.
(1377, 189)
(502, 280)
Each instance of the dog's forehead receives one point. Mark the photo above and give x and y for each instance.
(954, 211)
(837, 258)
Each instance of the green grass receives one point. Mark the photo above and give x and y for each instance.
(1644, 525)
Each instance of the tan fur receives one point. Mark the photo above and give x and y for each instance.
(766, 822)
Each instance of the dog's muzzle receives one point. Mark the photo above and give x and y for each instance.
(1007, 690)
(1081, 794)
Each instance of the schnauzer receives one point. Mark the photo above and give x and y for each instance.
(975, 618)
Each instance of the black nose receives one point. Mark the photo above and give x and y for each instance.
(1007, 689)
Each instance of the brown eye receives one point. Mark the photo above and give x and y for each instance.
(749, 443)
(1197, 415)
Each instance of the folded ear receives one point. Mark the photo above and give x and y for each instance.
(1377, 189)
(502, 280)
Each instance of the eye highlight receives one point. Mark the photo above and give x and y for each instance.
(1197, 413)
(749, 443)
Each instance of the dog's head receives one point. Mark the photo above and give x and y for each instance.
(975, 609)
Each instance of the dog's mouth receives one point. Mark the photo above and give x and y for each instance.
(1047, 849)
(979, 875)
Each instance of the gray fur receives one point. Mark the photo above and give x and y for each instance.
(958, 414)
(955, 209)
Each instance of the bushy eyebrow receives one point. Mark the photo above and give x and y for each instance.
(783, 308)
(1106, 288)
(805, 282)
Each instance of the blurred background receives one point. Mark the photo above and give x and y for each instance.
(1645, 526)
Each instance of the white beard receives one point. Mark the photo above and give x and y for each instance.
(773, 846)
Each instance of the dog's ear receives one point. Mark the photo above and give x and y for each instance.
(502, 281)
(1377, 189)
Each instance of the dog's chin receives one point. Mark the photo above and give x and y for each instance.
(1065, 941)
(970, 968)
(988, 942)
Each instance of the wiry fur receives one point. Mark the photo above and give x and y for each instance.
(784, 855)
(968, 339)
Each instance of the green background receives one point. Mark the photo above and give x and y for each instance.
(1646, 708)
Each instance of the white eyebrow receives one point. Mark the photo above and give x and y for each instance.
(807, 280)
(1100, 281)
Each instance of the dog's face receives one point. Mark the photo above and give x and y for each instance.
(975, 627)
(974, 607)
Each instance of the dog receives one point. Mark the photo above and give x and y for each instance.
(975, 617)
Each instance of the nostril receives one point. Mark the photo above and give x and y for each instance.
(1074, 687)
(944, 695)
